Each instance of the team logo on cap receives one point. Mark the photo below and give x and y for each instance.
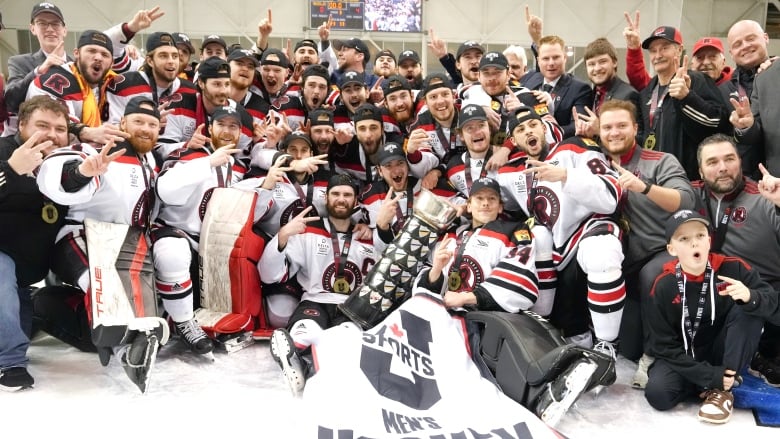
(407, 53)
(183, 37)
(351, 75)
(684, 214)
(166, 39)
(491, 56)
(212, 37)
(46, 5)
(390, 147)
(100, 38)
(470, 43)
(323, 117)
(470, 110)
(228, 110)
(484, 180)
(659, 31)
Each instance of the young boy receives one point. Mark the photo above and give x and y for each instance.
(706, 314)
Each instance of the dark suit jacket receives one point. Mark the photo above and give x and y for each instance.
(568, 92)
(622, 90)
(20, 74)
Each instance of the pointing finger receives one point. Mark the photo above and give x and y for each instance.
(618, 168)
(303, 212)
(269, 15)
(727, 279)
(764, 171)
(33, 140)
(116, 155)
(527, 13)
(309, 219)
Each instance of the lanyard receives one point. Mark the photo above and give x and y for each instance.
(400, 217)
(692, 328)
(148, 198)
(655, 105)
(340, 257)
(461, 243)
(305, 199)
(447, 144)
(483, 169)
(721, 227)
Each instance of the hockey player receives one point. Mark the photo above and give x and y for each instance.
(572, 191)
(329, 262)
(116, 186)
(183, 188)
(243, 65)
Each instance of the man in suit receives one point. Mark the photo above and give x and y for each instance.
(601, 65)
(566, 91)
(47, 24)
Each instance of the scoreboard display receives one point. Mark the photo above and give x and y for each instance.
(343, 15)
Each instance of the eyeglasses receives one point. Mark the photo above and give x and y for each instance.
(55, 25)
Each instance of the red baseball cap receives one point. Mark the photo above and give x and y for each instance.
(708, 42)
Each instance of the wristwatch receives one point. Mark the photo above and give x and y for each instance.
(648, 185)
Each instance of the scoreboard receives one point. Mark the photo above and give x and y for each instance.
(343, 15)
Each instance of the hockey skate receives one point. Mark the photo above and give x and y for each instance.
(145, 336)
(609, 349)
(287, 357)
(193, 336)
(561, 393)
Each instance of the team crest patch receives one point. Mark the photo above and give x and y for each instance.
(522, 236)
(739, 215)
(311, 312)
(589, 142)
(57, 83)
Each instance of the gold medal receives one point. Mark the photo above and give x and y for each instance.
(49, 213)
(341, 286)
(454, 281)
(495, 105)
(650, 141)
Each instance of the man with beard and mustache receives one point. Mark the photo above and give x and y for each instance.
(399, 102)
(746, 225)
(574, 192)
(656, 187)
(321, 131)
(387, 203)
(115, 185)
(190, 117)
(385, 64)
(186, 50)
(242, 75)
(280, 95)
(30, 223)
(156, 80)
(355, 152)
(409, 67)
(316, 92)
(327, 275)
(352, 55)
(183, 188)
(305, 53)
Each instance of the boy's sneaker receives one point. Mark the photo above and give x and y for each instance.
(717, 406)
(640, 376)
(14, 379)
(193, 335)
(762, 367)
(286, 355)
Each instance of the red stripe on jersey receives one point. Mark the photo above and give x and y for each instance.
(136, 265)
(491, 234)
(607, 298)
(374, 198)
(648, 154)
(515, 279)
(134, 90)
(129, 160)
(166, 288)
(183, 111)
(455, 169)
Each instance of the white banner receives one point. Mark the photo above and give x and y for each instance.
(409, 377)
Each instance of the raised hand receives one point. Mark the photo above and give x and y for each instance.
(511, 102)
(309, 164)
(276, 173)
(680, 85)
(223, 155)
(55, 58)
(735, 289)
(769, 185)
(437, 45)
(586, 125)
(103, 134)
(442, 255)
(295, 226)
(741, 117)
(144, 18)
(387, 209)
(95, 165)
(534, 24)
(324, 29)
(376, 94)
(417, 139)
(27, 157)
(198, 140)
(631, 32)
(265, 26)
(546, 171)
(164, 112)
(627, 180)
(344, 135)
(431, 179)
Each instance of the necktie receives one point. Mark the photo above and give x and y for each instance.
(547, 87)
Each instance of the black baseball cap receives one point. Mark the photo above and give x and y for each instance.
(46, 7)
(389, 152)
(434, 81)
(274, 57)
(159, 39)
(316, 70)
(239, 53)
(520, 115)
(225, 111)
(213, 39)
(681, 217)
(352, 77)
(485, 183)
(321, 116)
(97, 38)
(385, 52)
(467, 46)
(354, 43)
(214, 67)
(136, 104)
(183, 40)
(494, 59)
(367, 112)
(470, 112)
(297, 134)
(394, 83)
(306, 43)
(409, 55)
(668, 33)
(342, 180)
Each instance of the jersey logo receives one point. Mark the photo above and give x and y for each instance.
(175, 97)
(739, 215)
(280, 101)
(116, 80)
(290, 211)
(471, 273)
(57, 83)
(547, 206)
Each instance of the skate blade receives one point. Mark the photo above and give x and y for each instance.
(576, 384)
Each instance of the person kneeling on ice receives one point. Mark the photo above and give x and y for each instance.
(114, 185)
(706, 313)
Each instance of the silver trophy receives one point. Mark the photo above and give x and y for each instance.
(390, 280)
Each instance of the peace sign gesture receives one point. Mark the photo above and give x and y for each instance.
(679, 86)
(769, 185)
(627, 180)
(742, 116)
(387, 209)
(95, 165)
(324, 29)
(27, 157)
(586, 125)
(295, 226)
(376, 95)
(276, 172)
(534, 24)
(143, 19)
(631, 32)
